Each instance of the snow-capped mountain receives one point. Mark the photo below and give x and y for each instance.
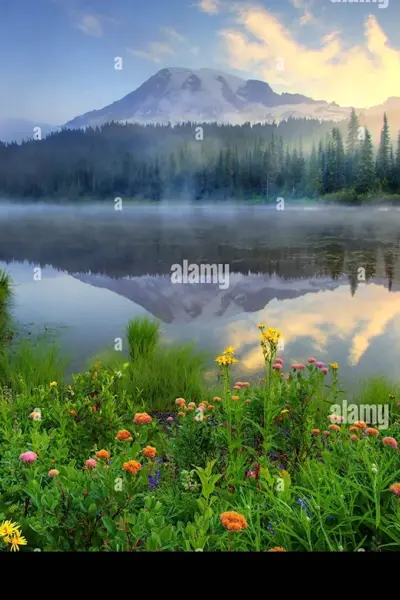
(178, 94)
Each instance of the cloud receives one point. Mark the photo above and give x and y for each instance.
(155, 51)
(210, 7)
(172, 34)
(304, 5)
(334, 71)
(194, 50)
(90, 24)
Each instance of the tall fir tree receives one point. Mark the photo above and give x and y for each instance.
(352, 148)
(383, 156)
(366, 170)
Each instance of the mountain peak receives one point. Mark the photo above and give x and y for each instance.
(176, 94)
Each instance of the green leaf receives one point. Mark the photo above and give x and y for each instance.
(109, 525)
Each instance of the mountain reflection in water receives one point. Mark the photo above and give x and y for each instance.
(297, 270)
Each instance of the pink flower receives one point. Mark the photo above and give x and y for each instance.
(319, 365)
(301, 367)
(336, 419)
(170, 420)
(390, 441)
(201, 408)
(324, 371)
(277, 367)
(279, 361)
(251, 474)
(91, 462)
(28, 457)
(53, 473)
(294, 366)
(312, 360)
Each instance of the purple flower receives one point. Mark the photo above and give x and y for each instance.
(270, 529)
(154, 481)
(303, 505)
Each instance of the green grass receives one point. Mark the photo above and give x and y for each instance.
(6, 297)
(26, 365)
(143, 335)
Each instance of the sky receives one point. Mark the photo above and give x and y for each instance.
(60, 54)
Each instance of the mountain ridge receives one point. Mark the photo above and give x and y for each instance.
(178, 94)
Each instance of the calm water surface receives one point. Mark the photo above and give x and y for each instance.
(297, 270)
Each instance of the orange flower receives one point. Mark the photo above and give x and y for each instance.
(334, 427)
(124, 435)
(73, 413)
(210, 407)
(238, 384)
(395, 489)
(132, 466)
(235, 398)
(315, 431)
(142, 418)
(181, 414)
(372, 431)
(390, 441)
(237, 387)
(283, 473)
(233, 521)
(204, 403)
(354, 437)
(245, 384)
(93, 408)
(217, 399)
(149, 451)
(192, 405)
(103, 454)
(277, 549)
(247, 401)
(180, 402)
(354, 428)
(360, 424)
(327, 433)
(189, 408)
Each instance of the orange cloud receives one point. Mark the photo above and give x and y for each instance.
(333, 72)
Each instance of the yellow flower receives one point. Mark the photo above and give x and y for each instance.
(261, 326)
(53, 384)
(229, 350)
(8, 528)
(283, 412)
(16, 540)
(271, 335)
(333, 366)
(226, 360)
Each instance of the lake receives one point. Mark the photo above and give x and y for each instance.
(328, 278)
